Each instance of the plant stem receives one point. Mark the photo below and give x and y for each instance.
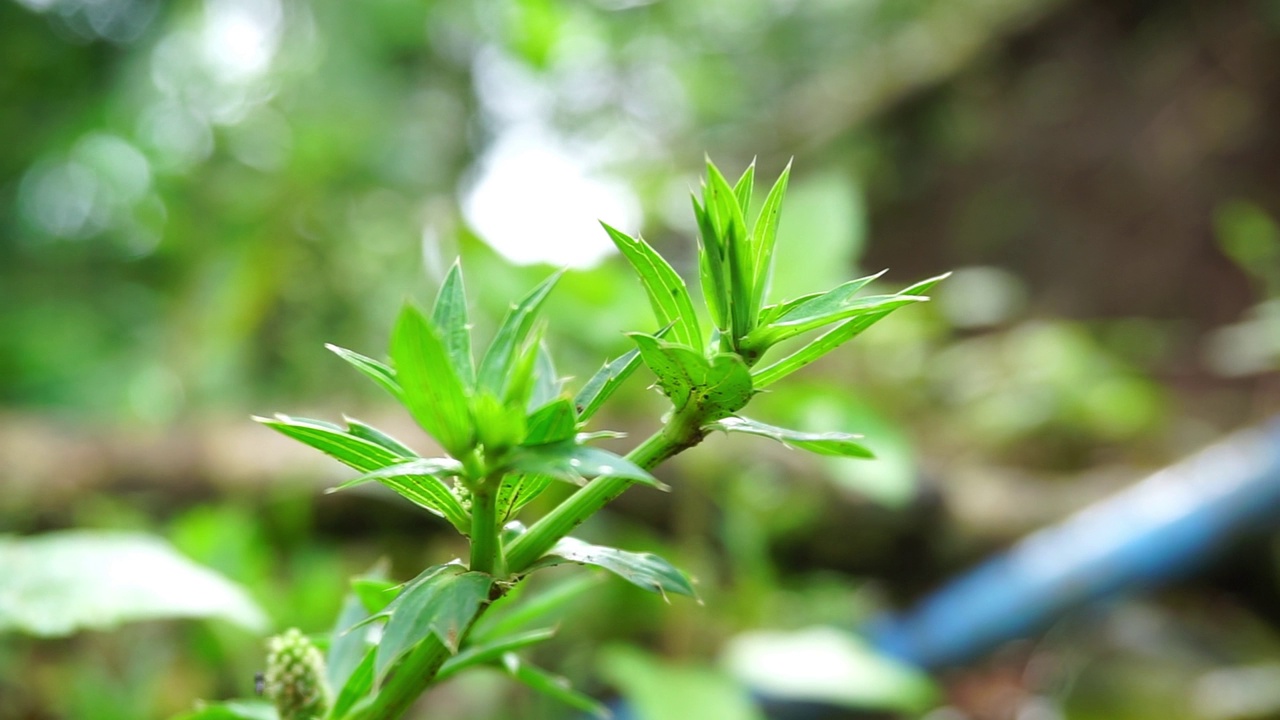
(680, 433)
(414, 674)
(486, 548)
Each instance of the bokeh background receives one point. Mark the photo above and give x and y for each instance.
(196, 195)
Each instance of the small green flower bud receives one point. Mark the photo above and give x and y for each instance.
(295, 677)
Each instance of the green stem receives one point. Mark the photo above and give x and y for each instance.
(680, 433)
(415, 673)
(486, 547)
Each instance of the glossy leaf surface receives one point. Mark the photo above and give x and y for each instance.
(433, 391)
(644, 570)
(826, 443)
(440, 602)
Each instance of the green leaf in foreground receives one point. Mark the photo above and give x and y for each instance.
(440, 602)
(63, 582)
(721, 384)
(422, 482)
(644, 570)
(490, 652)
(826, 443)
(450, 315)
(667, 292)
(495, 367)
(380, 373)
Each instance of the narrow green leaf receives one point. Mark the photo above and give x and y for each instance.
(764, 236)
(440, 602)
(380, 373)
(743, 188)
(450, 316)
(518, 490)
(517, 392)
(667, 292)
(358, 685)
(433, 391)
(359, 453)
(847, 290)
(365, 431)
(553, 686)
(820, 312)
(607, 380)
(713, 259)
(644, 570)
(491, 652)
(828, 443)
(833, 339)
(500, 426)
(572, 462)
(511, 335)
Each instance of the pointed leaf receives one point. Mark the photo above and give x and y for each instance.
(518, 490)
(433, 391)
(491, 652)
(441, 601)
(764, 235)
(847, 290)
(359, 453)
(572, 462)
(450, 316)
(358, 686)
(500, 426)
(818, 313)
(828, 443)
(547, 383)
(607, 380)
(667, 292)
(553, 686)
(515, 329)
(380, 373)
(743, 188)
(644, 570)
(713, 260)
(834, 338)
(348, 650)
(731, 227)
(553, 422)
(517, 392)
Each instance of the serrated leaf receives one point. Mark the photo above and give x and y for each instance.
(832, 339)
(441, 602)
(491, 652)
(421, 481)
(433, 391)
(511, 335)
(553, 686)
(828, 443)
(368, 432)
(232, 710)
(644, 570)
(667, 292)
(572, 462)
(380, 373)
(450, 316)
(722, 384)
(847, 290)
(63, 582)
(359, 453)
(764, 235)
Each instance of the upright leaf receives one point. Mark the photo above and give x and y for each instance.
(433, 391)
(764, 235)
(547, 382)
(743, 188)
(667, 292)
(450, 316)
(440, 602)
(731, 226)
(713, 260)
(511, 335)
(722, 384)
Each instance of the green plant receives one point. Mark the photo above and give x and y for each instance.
(509, 430)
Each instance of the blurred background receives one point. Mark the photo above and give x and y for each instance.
(196, 195)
